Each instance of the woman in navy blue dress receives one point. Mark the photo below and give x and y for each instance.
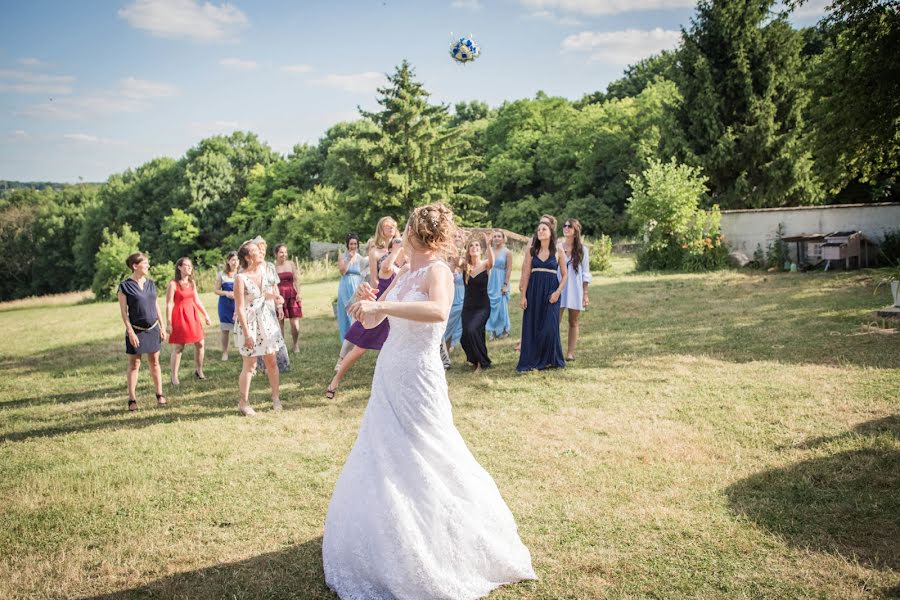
(543, 279)
(139, 308)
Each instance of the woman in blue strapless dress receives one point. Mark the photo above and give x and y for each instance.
(545, 276)
(498, 287)
(349, 265)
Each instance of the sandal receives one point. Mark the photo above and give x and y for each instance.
(570, 358)
(132, 405)
(161, 399)
(330, 392)
(199, 376)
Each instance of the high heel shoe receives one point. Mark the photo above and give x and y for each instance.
(246, 410)
(199, 376)
(132, 405)
(161, 399)
(330, 392)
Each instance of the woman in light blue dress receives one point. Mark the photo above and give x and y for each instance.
(349, 264)
(498, 288)
(574, 295)
(454, 322)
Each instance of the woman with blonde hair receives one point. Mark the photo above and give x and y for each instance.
(413, 514)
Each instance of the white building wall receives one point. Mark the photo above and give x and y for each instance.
(744, 229)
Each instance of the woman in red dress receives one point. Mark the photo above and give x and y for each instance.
(289, 288)
(183, 312)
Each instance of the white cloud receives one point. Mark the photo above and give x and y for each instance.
(25, 82)
(19, 134)
(466, 4)
(360, 83)
(238, 63)
(552, 17)
(597, 8)
(621, 47)
(130, 95)
(811, 9)
(204, 22)
(220, 126)
(32, 62)
(82, 137)
(296, 68)
(142, 88)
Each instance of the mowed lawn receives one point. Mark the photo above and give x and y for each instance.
(721, 435)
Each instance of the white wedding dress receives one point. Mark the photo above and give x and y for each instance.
(413, 515)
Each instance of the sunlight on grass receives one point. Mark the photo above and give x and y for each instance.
(723, 435)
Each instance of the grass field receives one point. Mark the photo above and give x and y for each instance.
(723, 435)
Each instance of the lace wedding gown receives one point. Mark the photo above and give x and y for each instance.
(413, 515)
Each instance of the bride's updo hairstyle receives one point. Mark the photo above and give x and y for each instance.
(432, 227)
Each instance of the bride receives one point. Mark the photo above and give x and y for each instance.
(413, 514)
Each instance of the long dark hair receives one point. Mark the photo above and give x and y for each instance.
(190, 278)
(536, 244)
(577, 246)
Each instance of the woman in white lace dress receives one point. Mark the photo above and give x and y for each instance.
(413, 515)
(257, 333)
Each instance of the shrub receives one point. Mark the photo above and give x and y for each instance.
(677, 233)
(161, 274)
(109, 264)
(889, 249)
(600, 256)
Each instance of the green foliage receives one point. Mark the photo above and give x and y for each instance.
(741, 75)
(855, 83)
(109, 265)
(306, 216)
(179, 231)
(600, 256)
(161, 274)
(678, 234)
(889, 247)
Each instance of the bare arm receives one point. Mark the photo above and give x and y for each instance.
(343, 265)
(162, 331)
(387, 265)
(373, 265)
(170, 303)
(563, 276)
(219, 291)
(129, 330)
(296, 273)
(239, 311)
(200, 306)
(523, 283)
(489, 263)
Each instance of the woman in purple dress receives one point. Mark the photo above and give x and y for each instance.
(369, 339)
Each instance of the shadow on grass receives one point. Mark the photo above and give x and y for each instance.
(845, 503)
(295, 572)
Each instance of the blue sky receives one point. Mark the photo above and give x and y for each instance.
(88, 89)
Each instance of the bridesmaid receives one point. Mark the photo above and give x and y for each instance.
(183, 311)
(544, 278)
(551, 222)
(258, 336)
(453, 332)
(575, 293)
(350, 266)
(476, 305)
(376, 249)
(274, 301)
(370, 339)
(139, 308)
(498, 287)
(225, 292)
(289, 288)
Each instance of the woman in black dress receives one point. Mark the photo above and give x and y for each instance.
(143, 330)
(476, 306)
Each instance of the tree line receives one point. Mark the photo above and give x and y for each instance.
(762, 113)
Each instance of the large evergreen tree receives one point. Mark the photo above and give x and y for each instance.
(741, 77)
(412, 156)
